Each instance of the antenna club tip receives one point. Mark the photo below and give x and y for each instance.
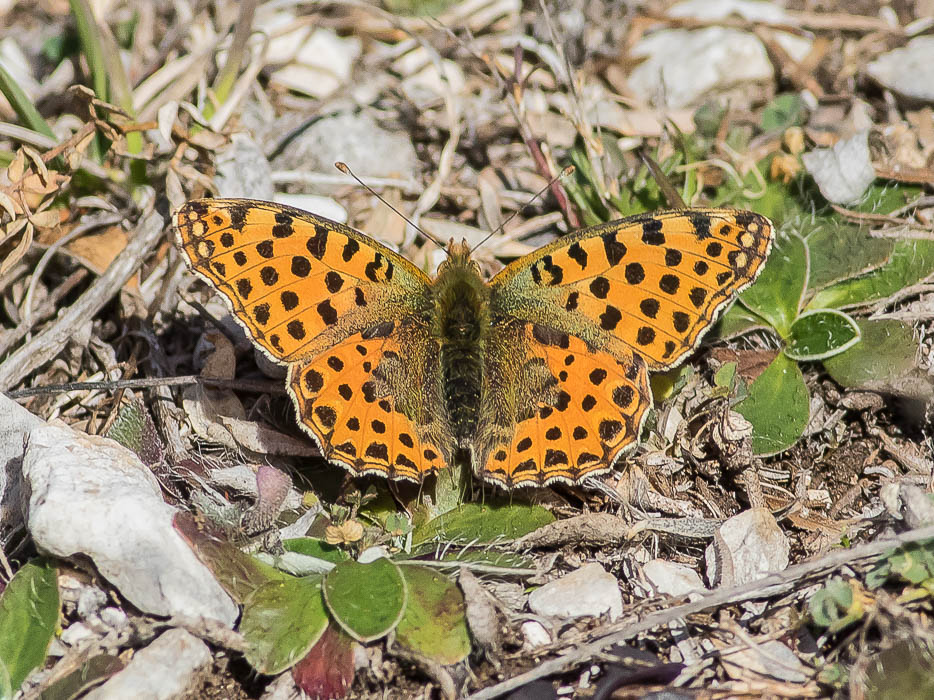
(568, 171)
(340, 165)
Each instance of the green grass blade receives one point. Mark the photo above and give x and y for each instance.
(22, 105)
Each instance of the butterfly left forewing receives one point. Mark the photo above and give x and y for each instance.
(297, 282)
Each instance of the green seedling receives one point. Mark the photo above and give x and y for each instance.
(295, 621)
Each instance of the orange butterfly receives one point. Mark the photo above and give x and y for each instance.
(539, 375)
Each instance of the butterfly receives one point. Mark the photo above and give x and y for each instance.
(539, 375)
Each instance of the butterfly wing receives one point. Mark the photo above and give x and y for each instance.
(596, 311)
(339, 309)
(369, 410)
(575, 409)
(298, 283)
(656, 282)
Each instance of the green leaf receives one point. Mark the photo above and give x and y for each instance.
(134, 428)
(29, 610)
(91, 45)
(79, 680)
(819, 334)
(782, 112)
(23, 106)
(836, 606)
(314, 547)
(841, 251)
(887, 353)
(366, 600)
(282, 620)
(736, 321)
(776, 295)
(828, 604)
(777, 406)
(477, 523)
(911, 262)
(901, 672)
(434, 623)
(237, 572)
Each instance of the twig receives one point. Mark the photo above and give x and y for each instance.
(117, 384)
(47, 344)
(761, 588)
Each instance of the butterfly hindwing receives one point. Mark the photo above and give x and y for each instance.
(655, 281)
(297, 282)
(578, 422)
(369, 410)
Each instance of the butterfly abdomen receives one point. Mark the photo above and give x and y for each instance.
(461, 327)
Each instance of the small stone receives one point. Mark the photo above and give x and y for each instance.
(671, 578)
(756, 547)
(842, 173)
(771, 658)
(77, 634)
(588, 592)
(243, 171)
(93, 497)
(909, 71)
(355, 139)
(535, 634)
(682, 68)
(168, 668)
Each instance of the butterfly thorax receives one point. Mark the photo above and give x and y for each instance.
(461, 327)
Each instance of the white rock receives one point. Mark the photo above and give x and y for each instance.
(15, 424)
(114, 618)
(535, 634)
(243, 171)
(91, 496)
(322, 64)
(241, 478)
(757, 546)
(430, 84)
(671, 578)
(588, 592)
(909, 71)
(318, 204)
(752, 10)
(355, 139)
(166, 669)
(683, 67)
(90, 601)
(842, 173)
(77, 634)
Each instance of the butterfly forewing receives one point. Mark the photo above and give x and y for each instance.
(297, 282)
(656, 282)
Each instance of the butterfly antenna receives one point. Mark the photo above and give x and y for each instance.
(564, 173)
(344, 168)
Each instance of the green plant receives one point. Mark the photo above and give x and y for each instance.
(29, 611)
(330, 601)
